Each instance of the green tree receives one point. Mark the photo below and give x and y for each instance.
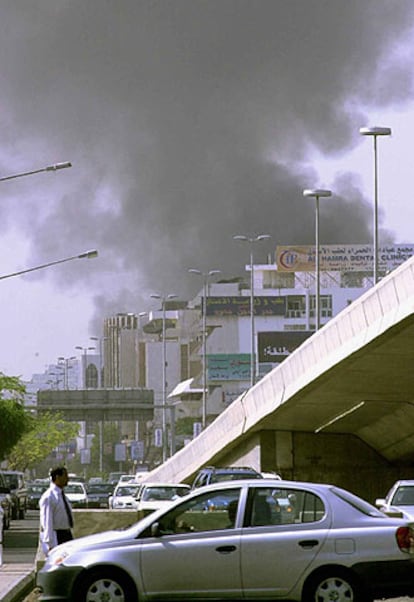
(47, 431)
(14, 418)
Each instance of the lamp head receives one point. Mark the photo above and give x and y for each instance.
(375, 131)
(317, 192)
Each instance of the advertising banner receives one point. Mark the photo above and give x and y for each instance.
(232, 366)
(344, 258)
(240, 306)
(274, 347)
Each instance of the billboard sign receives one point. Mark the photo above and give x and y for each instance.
(343, 258)
(274, 347)
(228, 366)
(240, 306)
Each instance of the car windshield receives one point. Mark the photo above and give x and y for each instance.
(11, 481)
(403, 496)
(37, 488)
(100, 488)
(152, 494)
(74, 489)
(126, 490)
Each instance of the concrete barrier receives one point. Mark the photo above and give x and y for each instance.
(88, 522)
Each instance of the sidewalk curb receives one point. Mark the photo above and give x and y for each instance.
(22, 587)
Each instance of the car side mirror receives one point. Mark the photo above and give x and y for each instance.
(379, 502)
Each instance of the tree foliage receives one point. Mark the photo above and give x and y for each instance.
(14, 418)
(47, 431)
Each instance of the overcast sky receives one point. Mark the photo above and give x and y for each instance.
(187, 121)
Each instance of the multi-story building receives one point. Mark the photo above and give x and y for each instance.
(284, 316)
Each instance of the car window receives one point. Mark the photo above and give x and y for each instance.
(403, 496)
(270, 506)
(151, 494)
(74, 489)
(206, 512)
(357, 503)
(125, 490)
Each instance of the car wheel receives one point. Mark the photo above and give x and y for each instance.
(336, 585)
(111, 586)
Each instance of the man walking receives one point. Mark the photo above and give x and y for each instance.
(56, 519)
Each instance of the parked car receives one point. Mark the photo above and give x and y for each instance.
(15, 480)
(335, 546)
(399, 500)
(152, 496)
(76, 494)
(98, 494)
(34, 493)
(124, 497)
(5, 503)
(217, 474)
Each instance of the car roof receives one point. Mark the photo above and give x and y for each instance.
(275, 483)
(154, 484)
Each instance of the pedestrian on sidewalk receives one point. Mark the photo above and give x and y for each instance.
(56, 518)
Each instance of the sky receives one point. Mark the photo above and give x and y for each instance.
(186, 122)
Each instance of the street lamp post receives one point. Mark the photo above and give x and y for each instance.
(251, 241)
(375, 132)
(206, 276)
(54, 167)
(317, 193)
(65, 362)
(86, 255)
(85, 362)
(163, 299)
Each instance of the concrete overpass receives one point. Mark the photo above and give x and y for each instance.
(339, 409)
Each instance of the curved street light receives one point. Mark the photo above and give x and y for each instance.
(251, 240)
(206, 276)
(87, 255)
(317, 193)
(54, 167)
(374, 132)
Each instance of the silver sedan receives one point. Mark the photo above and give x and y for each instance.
(263, 540)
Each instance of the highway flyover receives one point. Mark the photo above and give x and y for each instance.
(339, 409)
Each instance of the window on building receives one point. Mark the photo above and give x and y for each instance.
(274, 279)
(325, 306)
(295, 306)
(91, 377)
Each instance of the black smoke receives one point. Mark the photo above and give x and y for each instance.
(188, 121)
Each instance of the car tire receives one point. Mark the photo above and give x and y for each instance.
(334, 584)
(106, 584)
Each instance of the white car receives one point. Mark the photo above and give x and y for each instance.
(76, 494)
(332, 546)
(399, 501)
(152, 496)
(124, 497)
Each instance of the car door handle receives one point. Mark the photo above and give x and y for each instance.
(226, 549)
(308, 543)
